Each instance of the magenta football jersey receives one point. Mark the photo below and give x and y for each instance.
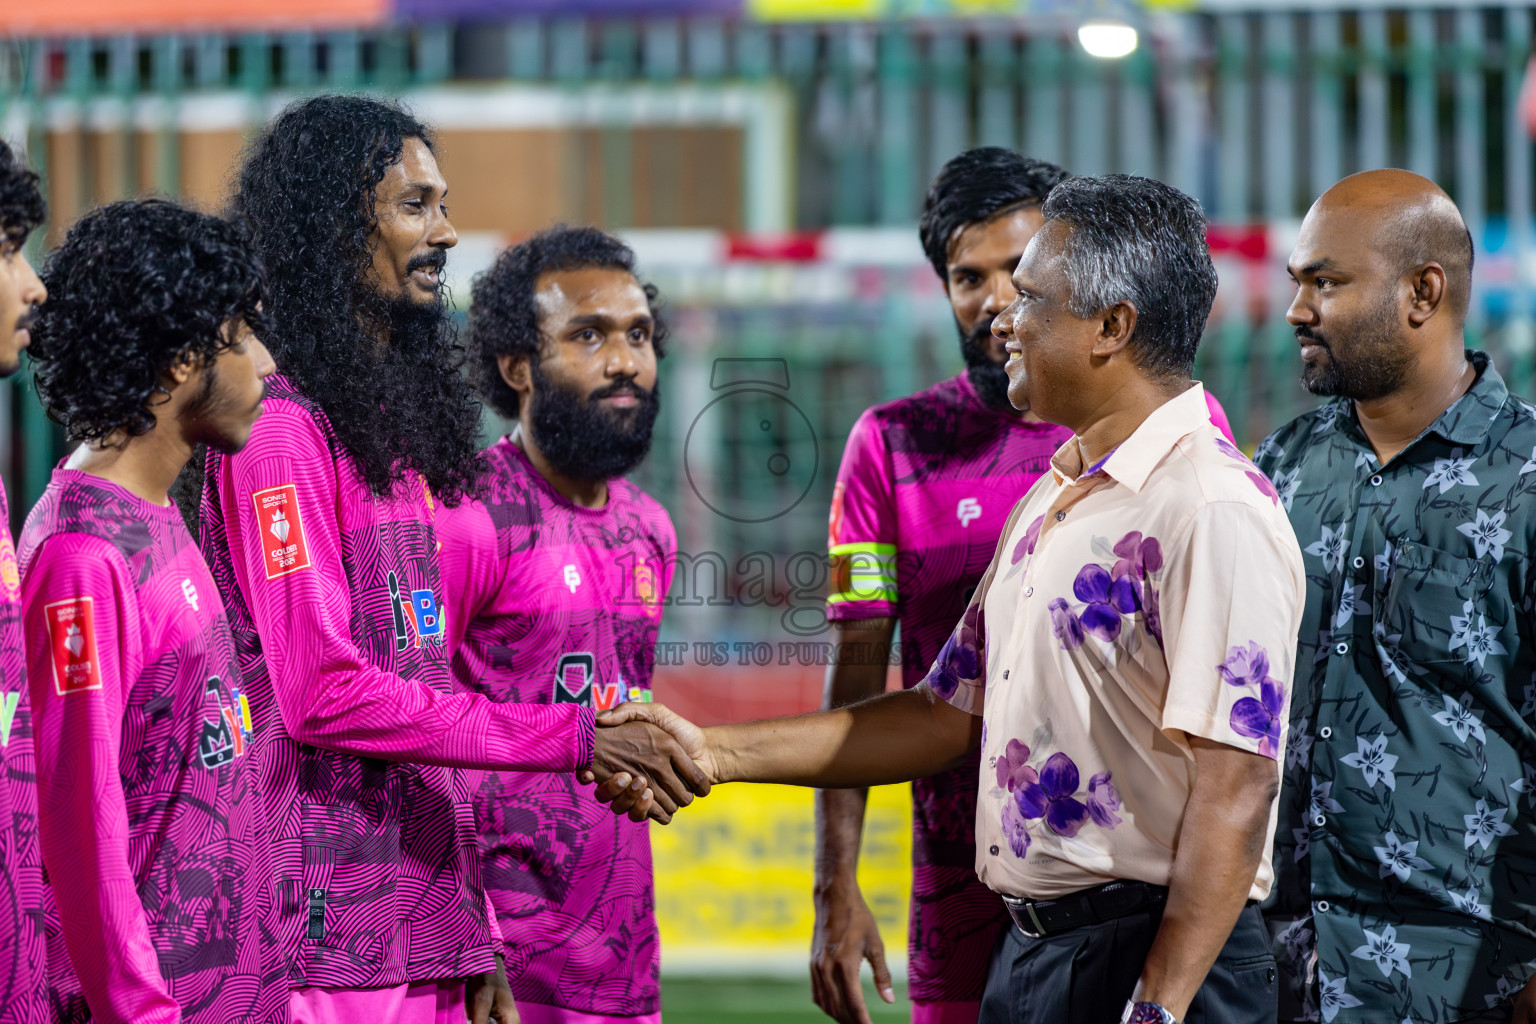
(151, 819)
(924, 489)
(336, 602)
(23, 979)
(557, 604)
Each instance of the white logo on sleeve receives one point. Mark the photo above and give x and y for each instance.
(968, 509)
(74, 639)
(572, 578)
(189, 592)
(279, 526)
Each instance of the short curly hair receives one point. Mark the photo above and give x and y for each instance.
(502, 317)
(22, 209)
(136, 287)
(978, 186)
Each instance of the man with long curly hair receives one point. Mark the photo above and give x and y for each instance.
(23, 982)
(323, 536)
(560, 574)
(153, 828)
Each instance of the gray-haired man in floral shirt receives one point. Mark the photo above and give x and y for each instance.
(1406, 852)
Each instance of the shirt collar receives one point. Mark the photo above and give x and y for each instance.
(1466, 421)
(1133, 461)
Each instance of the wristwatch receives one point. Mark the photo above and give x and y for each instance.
(1146, 1013)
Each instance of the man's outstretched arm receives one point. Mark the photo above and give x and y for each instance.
(846, 933)
(895, 737)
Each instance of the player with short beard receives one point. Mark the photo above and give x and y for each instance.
(323, 535)
(562, 571)
(925, 486)
(153, 827)
(23, 981)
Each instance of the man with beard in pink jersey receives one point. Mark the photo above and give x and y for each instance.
(23, 980)
(925, 486)
(153, 828)
(323, 535)
(561, 569)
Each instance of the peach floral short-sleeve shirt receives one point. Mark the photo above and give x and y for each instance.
(1130, 605)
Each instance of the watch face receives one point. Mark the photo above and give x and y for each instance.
(1148, 1013)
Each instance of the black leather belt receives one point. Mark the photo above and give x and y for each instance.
(1039, 918)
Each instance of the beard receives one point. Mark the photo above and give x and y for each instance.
(212, 415)
(986, 374)
(1375, 361)
(584, 441)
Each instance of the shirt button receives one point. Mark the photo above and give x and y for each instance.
(1359, 562)
(1325, 732)
(1061, 515)
(1376, 480)
(1319, 821)
(994, 851)
(1322, 906)
(1341, 648)
(1029, 591)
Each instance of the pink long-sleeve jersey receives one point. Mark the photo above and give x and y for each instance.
(152, 828)
(557, 604)
(336, 602)
(23, 978)
(924, 489)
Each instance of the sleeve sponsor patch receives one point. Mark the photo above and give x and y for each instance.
(283, 546)
(72, 643)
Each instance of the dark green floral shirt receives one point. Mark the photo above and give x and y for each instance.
(1405, 857)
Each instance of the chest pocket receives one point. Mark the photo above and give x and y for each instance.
(1435, 599)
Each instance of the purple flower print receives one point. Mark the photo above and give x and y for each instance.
(1257, 718)
(1139, 557)
(1013, 768)
(1015, 828)
(1245, 665)
(1107, 598)
(1103, 801)
(960, 657)
(1065, 625)
(1026, 544)
(1265, 487)
(1228, 448)
(1052, 797)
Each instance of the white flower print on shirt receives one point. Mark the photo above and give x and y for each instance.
(1458, 717)
(1398, 858)
(1385, 952)
(1374, 762)
(1487, 533)
(1333, 997)
(1483, 824)
(1285, 486)
(1450, 472)
(1330, 547)
(1480, 640)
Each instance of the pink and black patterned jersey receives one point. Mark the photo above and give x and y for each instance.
(152, 824)
(924, 489)
(336, 602)
(23, 978)
(557, 604)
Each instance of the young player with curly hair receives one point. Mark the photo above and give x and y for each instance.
(23, 981)
(153, 830)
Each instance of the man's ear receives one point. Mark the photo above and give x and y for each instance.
(1117, 325)
(185, 365)
(516, 372)
(1428, 284)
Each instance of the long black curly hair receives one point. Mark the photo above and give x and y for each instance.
(137, 287)
(306, 190)
(22, 208)
(503, 319)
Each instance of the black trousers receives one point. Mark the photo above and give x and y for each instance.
(1085, 976)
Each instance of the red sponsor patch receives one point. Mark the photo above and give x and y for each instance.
(72, 641)
(283, 547)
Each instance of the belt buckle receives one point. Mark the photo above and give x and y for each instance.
(1016, 904)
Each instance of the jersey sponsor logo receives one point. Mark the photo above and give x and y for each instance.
(835, 518)
(417, 615)
(283, 548)
(222, 738)
(8, 705)
(572, 578)
(574, 675)
(10, 576)
(189, 592)
(72, 642)
(967, 510)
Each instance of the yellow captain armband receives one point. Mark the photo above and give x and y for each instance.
(863, 572)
